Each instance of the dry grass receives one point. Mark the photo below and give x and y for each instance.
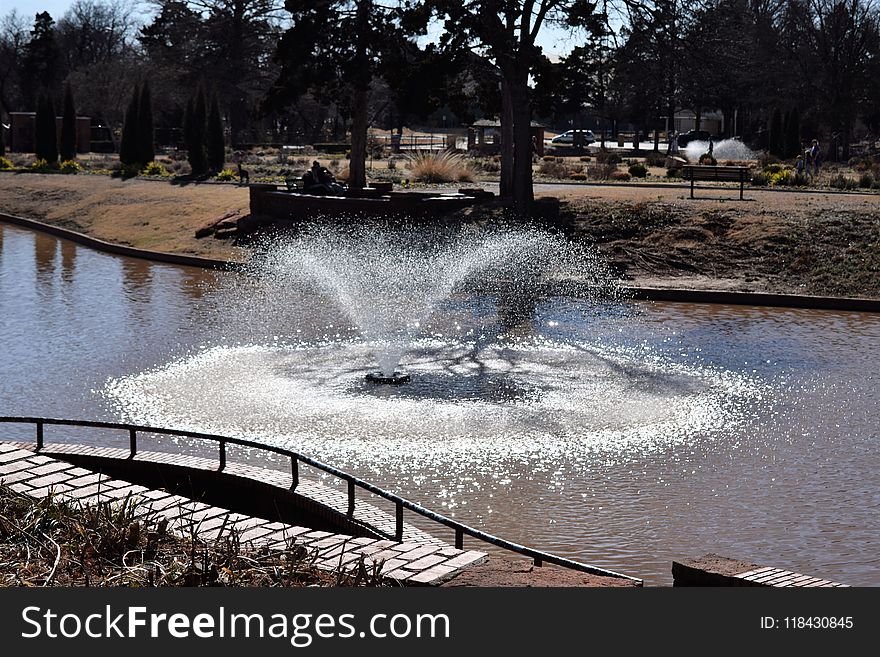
(146, 214)
(554, 168)
(52, 543)
(440, 168)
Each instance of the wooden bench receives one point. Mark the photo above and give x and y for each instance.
(719, 173)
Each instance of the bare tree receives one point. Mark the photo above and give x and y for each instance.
(506, 32)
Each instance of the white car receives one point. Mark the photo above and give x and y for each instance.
(567, 137)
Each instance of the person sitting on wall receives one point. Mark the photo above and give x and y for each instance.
(319, 180)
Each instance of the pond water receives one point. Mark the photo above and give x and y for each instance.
(623, 435)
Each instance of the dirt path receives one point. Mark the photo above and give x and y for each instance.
(775, 241)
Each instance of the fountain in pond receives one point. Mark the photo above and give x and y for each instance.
(504, 340)
(389, 282)
(726, 149)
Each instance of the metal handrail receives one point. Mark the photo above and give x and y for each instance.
(539, 557)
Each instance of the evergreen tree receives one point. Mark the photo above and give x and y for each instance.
(793, 133)
(146, 151)
(128, 148)
(215, 143)
(68, 127)
(46, 134)
(783, 139)
(187, 125)
(776, 139)
(42, 58)
(194, 133)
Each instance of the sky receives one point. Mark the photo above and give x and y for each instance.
(554, 41)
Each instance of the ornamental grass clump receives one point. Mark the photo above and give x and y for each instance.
(843, 182)
(5, 164)
(120, 542)
(555, 169)
(439, 168)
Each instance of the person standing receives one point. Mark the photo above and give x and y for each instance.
(814, 157)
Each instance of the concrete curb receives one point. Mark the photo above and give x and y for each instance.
(642, 293)
(757, 299)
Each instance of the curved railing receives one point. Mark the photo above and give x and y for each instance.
(539, 557)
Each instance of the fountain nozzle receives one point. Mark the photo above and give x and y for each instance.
(395, 379)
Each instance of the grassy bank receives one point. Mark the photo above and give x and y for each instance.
(54, 543)
(788, 242)
(824, 249)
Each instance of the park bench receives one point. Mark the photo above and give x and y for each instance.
(294, 184)
(720, 173)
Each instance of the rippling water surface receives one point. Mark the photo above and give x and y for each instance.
(624, 435)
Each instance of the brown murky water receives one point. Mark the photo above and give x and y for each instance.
(624, 436)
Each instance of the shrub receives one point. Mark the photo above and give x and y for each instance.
(601, 171)
(638, 170)
(329, 147)
(782, 178)
(155, 169)
(225, 175)
(70, 166)
(549, 158)
(5, 164)
(654, 159)
(440, 167)
(766, 160)
(578, 176)
(621, 176)
(673, 172)
(491, 166)
(774, 167)
(554, 169)
(607, 157)
(866, 180)
(392, 163)
(708, 158)
(586, 158)
(40, 165)
(842, 182)
(126, 170)
(761, 179)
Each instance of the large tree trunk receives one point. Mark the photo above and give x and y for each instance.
(517, 81)
(506, 186)
(357, 166)
(523, 194)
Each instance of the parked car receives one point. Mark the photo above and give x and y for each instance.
(567, 137)
(686, 138)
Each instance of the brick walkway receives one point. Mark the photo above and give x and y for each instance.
(420, 559)
(716, 570)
